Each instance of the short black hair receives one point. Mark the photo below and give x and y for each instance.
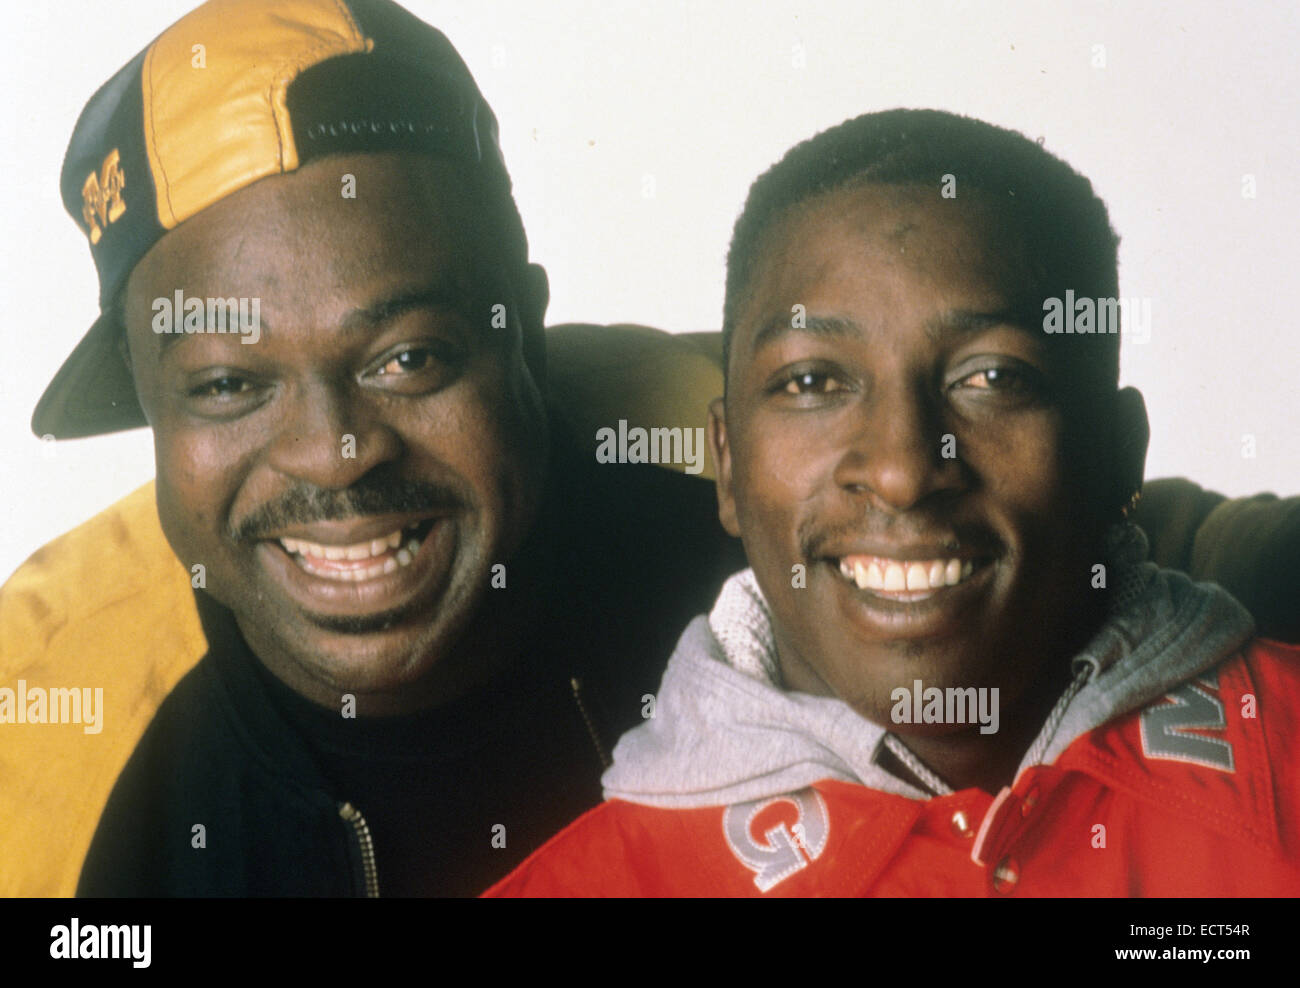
(1066, 226)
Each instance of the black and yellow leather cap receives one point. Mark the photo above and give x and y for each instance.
(235, 91)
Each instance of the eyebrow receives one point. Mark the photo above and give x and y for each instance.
(955, 322)
(388, 309)
(825, 326)
(963, 322)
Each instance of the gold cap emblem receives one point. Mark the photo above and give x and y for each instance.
(102, 195)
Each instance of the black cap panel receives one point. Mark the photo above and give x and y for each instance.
(107, 185)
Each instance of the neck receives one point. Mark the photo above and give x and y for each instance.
(963, 757)
(969, 759)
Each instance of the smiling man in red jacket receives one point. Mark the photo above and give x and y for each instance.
(950, 670)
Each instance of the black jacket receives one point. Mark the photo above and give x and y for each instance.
(234, 790)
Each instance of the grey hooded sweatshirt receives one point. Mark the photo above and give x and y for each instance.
(724, 732)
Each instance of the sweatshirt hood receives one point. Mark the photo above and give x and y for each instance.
(723, 731)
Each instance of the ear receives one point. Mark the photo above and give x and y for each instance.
(1131, 438)
(722, 460)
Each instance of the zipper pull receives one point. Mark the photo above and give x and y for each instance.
(361, 830)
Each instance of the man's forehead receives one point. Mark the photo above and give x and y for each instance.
(405, 214)
(402, 191)
(853, 243)
(888, 221)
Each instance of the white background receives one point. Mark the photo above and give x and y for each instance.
(594, 97)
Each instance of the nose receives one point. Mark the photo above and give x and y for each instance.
(900, 451)
(329, 437)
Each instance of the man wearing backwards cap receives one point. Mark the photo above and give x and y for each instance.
(358, 461)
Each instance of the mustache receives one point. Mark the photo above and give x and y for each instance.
(304, 504)
(814, 539)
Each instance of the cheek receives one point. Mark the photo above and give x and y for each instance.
(198, 480)
(781, 470)
(492, 442)
(1036, 503)
(186, 498)
(185, 460)
(1021, 467)
(494, 445)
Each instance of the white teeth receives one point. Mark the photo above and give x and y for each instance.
(355, 552)
(894, 577)
(305, 552)
(917, 578)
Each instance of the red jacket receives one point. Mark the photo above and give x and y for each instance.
(1129, 809)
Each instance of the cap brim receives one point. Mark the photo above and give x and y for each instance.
(93, 393)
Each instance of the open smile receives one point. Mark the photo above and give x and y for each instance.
(904, 580)
(362, 569)
(910, 598)
(358, 561)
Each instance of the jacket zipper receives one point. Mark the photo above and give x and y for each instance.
(576, 684)
(362, 831)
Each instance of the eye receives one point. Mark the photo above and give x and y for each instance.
(1008, 380)
(419, 368)
(221, 387)
(408, 361)
(811, 382)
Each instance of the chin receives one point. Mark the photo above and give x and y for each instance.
(374, 662)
